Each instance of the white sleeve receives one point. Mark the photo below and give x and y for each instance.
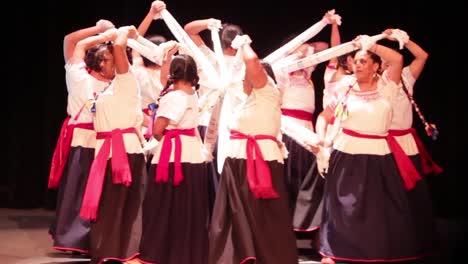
(408, 79)
(172, 106)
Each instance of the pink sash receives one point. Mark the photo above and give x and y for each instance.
(162, 169)
(258, 172)
(121, 173)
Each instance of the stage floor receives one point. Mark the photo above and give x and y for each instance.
(24, 240)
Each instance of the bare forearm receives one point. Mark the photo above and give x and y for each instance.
(392, 57)
(70, 40)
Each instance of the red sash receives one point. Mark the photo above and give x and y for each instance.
(121, 173)
(408, 172)
(62, 150)
(299, 114)
(258, 172)
(428, 164)
(162, 169)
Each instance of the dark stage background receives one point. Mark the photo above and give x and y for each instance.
(36, 92)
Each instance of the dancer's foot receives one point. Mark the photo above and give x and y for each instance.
(327, 261)
(133, 261)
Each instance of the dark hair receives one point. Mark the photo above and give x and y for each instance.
(95, 55)
(183, 68)
(228, 33)
(376, 58)
(156, 39)
(343, 60)
(269, 70)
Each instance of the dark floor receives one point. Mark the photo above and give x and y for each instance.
(24, 240)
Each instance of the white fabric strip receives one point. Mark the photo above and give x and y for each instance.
(150, 51)
(208, 71)
(218, 50)
(296, 42)
(302, 135)
(321, 56)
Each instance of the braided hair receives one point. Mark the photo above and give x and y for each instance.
(182, 68)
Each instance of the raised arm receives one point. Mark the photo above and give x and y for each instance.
(335, 40)
(156, 8)
(121, 61)
(420, 55)
(392, 57)
(255, 74)
(154, 11)
(167, 63)
(79, 52)
(70, 40)
(194, 28)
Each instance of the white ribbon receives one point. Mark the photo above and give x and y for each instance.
(299, 133)
(297, 41)
(207, 70)
(401, 36)
(321, 56)
(239, 41)
(218, 50)
(147, 49)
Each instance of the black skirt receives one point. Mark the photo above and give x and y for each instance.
(69, 231)
(175, 218)
(244, 228)
(368, 214)
(116, 232)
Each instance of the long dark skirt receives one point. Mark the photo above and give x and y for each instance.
(309, 202)
(69, 231)
(369, 216)
(175, 218)
(296, 167)
(248, 230)
(304, 186)
(213, 180)
(116, 232)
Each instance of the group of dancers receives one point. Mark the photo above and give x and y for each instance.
(179, 151)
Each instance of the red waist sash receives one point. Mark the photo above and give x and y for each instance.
(408, 172)
(258, 172)
(162, 170)
(428, 164)
(62, 150)
(121, 173)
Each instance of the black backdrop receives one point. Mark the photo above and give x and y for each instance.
(36, 93)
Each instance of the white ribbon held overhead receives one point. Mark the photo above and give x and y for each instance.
(208, 71)
(401, 36)
(300, 39)
(214, 28)
(147, 49)
(322, 56)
